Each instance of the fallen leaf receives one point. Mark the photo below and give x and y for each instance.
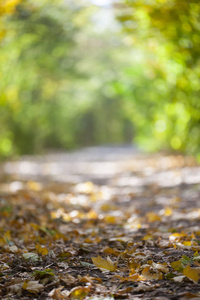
(103, 264)
(59, 294)
(177, 236)
(152, 217)
(32, 256)
(178, 278)
(13, 249)
(168, 211)
(32, 286)
(79, 292)
(161, 267)
(192, 273)
(177, 265)
(41, 249)
(133, 277)
(149, 273)
(108, 250)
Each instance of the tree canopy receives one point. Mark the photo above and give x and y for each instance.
(167, 35)
(69, 80)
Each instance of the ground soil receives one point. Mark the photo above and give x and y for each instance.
(100, 223)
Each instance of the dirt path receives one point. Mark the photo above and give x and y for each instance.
(101, 223)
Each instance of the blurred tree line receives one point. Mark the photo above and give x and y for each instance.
(67, 82)
(56, 78)
(167, 98)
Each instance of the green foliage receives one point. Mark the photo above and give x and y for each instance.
(56, 72)
(66, 83)
(167, 35)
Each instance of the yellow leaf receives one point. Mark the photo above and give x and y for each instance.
(177, 236)
(147, 237)
(108, 250)
(177, 265)
(41, 250)
(79, 292)
(92, 214)
(34, 186)
(110, 219)
(152, 217)
(187, 243)
(192, 273)
(149, 274)
(104, 264)
(133, 277)
(2, 242)
(7, 236)
(168, 211)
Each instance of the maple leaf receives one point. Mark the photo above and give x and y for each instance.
(103, 264)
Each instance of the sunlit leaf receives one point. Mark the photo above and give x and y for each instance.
(110, 219)
(149, 274)
(103, 264)
(35, 186)
(192, 273)
(133, 277)
(177, 236)
(168, 211)
(79, 292)
(161, 267)
(187, 243)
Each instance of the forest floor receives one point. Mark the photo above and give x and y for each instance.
(101, 223)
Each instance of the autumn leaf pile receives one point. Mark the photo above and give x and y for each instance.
(84, 241)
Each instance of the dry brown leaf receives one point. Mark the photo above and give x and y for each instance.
(58, 294)
(32, 286)
(149, 273)
(161, 267)
(178, 278)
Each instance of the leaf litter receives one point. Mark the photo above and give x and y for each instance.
(88, 241)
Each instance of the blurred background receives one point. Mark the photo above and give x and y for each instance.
(94, 72)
